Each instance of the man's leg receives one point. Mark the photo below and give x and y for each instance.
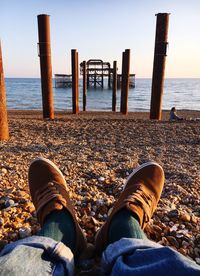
(53, 206)
(46, 253)
(135, 206)
(127, 251)
(59, 225)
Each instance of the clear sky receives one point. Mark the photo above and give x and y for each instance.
(100, 29)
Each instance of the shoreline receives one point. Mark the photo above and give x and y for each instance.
(141, 115)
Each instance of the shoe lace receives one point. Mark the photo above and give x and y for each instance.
(47, 193)
(140, 198)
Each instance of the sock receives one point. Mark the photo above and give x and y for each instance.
(124, 225)
(59, 225)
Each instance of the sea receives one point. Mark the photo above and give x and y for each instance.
(25, 94)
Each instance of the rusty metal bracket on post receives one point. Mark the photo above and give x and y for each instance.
(161, 48)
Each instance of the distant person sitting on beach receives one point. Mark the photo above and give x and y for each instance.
(121, 242)
(174, 116)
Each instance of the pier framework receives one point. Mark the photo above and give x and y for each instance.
(63, 81)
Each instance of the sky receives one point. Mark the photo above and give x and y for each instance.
(100, 29)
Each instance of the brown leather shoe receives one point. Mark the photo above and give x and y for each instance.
(140, 195)
(49, 192)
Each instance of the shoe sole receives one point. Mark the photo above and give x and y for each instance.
(140, 168)
(51, 164)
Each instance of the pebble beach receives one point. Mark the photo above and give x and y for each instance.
(96, 152)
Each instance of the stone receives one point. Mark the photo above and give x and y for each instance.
(101, 179)
(194, 219)
(1, 221)
(172, 240)
(185, 244)
(173, 213)
(4, 171)
(9, 203)
(184, 216)
(100, 202)
(24, 232)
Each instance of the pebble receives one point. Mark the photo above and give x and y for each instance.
(4, 171)
(99, 202)
(184, 217)
(173, 213)
(96, 180)
(173, 241)
(24, 232)
(9, 203)
(165, 219)
(1, 221)
(101, 179)
(185, 244)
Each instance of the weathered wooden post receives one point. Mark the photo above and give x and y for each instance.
(84, 85)
(4, 132)
(109, 77)
(45, 65)
(125, 81)
(75, 81)
(122, 73)
(114, 86)
(160, 53)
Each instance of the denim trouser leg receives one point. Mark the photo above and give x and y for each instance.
(36, 256)
(144, 257)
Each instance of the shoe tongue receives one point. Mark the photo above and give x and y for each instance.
(47, 209)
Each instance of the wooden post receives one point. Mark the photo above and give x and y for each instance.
(114, 86)
(125, 81)
(159, 65)
(75, 82)
(84, 86)
(109, 77)
(122, 73)
(4, 132)
(45, 65)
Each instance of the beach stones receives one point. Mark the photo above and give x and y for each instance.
(96, 156)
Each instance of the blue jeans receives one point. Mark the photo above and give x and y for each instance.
(44, 256)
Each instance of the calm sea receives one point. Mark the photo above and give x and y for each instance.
(25, 93)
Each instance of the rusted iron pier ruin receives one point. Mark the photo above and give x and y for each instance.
(63, 81)
(99, 70)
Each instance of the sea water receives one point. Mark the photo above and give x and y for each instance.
(25, 93)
